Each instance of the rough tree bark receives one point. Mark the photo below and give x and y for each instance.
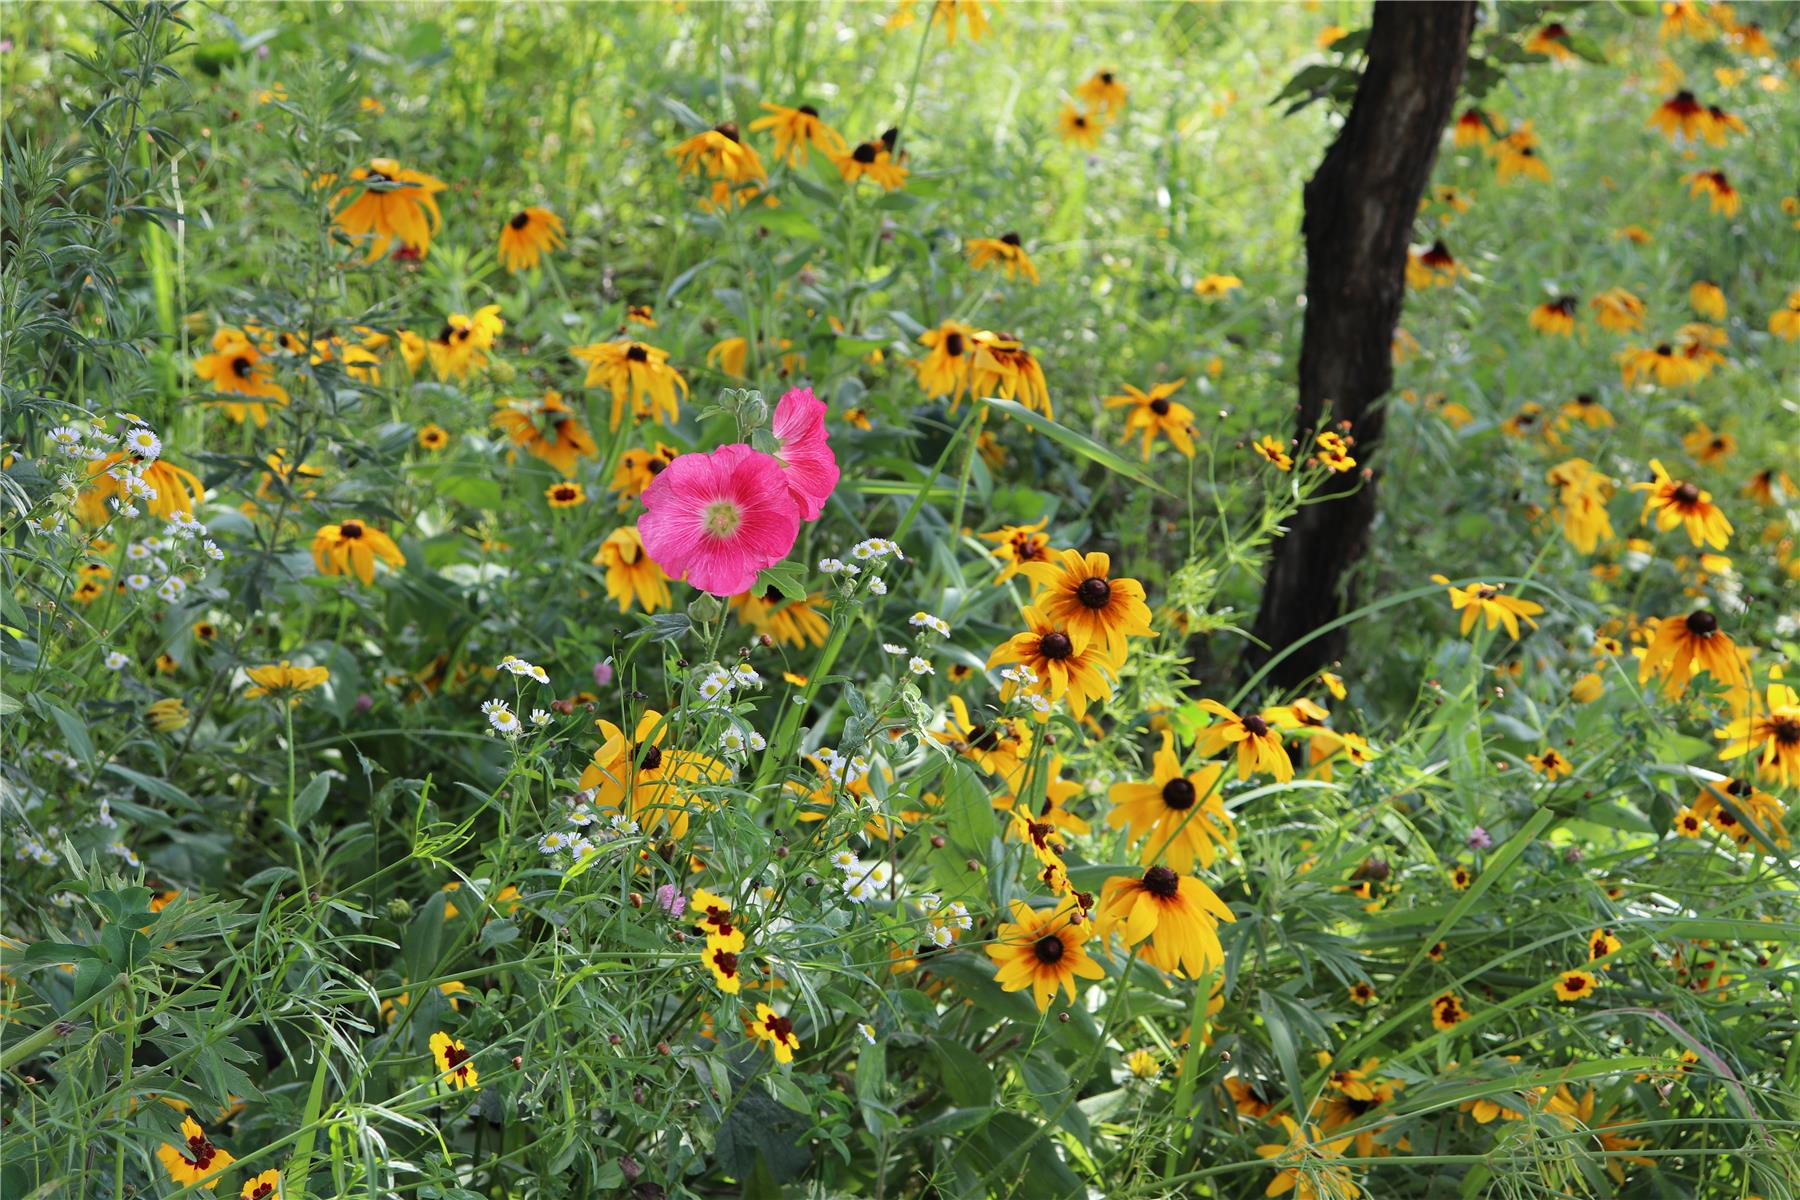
(1359, 211)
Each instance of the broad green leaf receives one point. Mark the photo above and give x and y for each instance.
(1079, 443)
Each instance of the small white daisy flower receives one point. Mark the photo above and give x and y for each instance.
(732, 741)
(581, 816)
(941, 937)
(116, 661)
(66, 439)
(171, 588)
(716, 684)
(831, 566)
(137, 551)
(137, 581)
(857, 890)
(553, 841)
(846, 860)
(924, 620)
(212, 550)
(744, 675)
(539, 717)
(878, 586)
(894, 648)
(919, 666)
(867, 1030)
(143, 443)
(758, 741)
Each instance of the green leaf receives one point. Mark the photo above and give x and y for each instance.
(310, 800)
(156, 787)
(74, 733)
(789, 223)
(967, 811)
(1080, 443)
(788, 578)
(966, 1078)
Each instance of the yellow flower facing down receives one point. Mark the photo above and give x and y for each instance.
(797, 129)
(1707, 446)
(787, 622)
(1556, 317)
(1153, 414)
(631, 577)
(1044, 950)
(1103, 90)
(1722, 198)
(1212, 287)
(393, 204)
(1062, 671)
(1582, 493)
(1178, 913)
(351, 547)
(167, 715)
(1306, 1165)
(1484, 601)
(946, 12)
(1678, 502)
(1258, 745)
(284, 680)
(1077, 593)
(634, 372)
(547, 429)
(176, 490)
(196, 1160)
(1004, 253)
(1784, 322)
(1618, 311)
(453, 1062)
(1003, 367)
(1683, 647)
(1707, 299)
(720, 154)
(527, 236)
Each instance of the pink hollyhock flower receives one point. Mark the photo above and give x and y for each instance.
(719, 518)
(812, 469)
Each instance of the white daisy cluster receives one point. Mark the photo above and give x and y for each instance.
(717, 682)
(924, 620)
(587, 831)
(862, 881)
(122, 851)
(945, 919)
(1019, 682)
(61, 758)
(843, 770)
(29, 849)
(512, 664)
(737, 742)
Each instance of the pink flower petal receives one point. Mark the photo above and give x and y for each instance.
(812, 469)
(674, 525)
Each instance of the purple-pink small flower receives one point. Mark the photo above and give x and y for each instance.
(603, 673)
(1479, 839)
(670, 900)
(364, 702)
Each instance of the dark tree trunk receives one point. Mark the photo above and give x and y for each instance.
(1359, 214)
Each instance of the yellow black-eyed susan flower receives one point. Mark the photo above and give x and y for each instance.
(1006, 253)
(527, 235)
(352, 547)
(1154, 414)
(1618, 311)
(1771, 733)
(797, 129)
(631, 576)
(1483, 601)
(393, 203)
(1103, 91)
(1556, 317)
(1180, 818)
(237, 368)
(1680, 116)
(1258, 745)
(1017, 546)
(1722, 198)
(1178, 913)
(874, 161)
(1679, 502)
(636, 372)
(1044, 950)
(1079, 127)
(1003, 367)
(1062, 671)
(1077, 593)
(721, 154)
(433, 437)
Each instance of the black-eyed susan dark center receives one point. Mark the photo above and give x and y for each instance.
(1255, 725)
(1701, 623)
(1048, 949)
(1055, 646)
(1160, 881)
(350, 530)
(865, 153)
(1094, 592)
(521, 220)
(637, 354)
(953, 344)
(1178, 793)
